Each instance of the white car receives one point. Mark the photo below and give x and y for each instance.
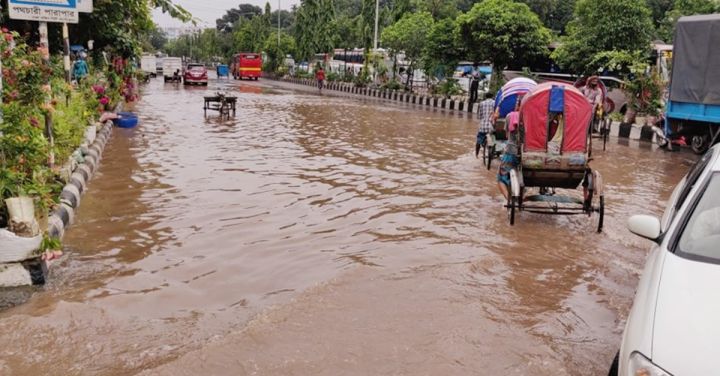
(674, 323)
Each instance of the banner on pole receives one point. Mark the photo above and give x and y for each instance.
(44, 10)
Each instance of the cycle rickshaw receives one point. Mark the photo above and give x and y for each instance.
(554, 153)
(505, 100)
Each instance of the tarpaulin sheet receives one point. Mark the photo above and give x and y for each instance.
(696, 60)
(557, 99)
(577, 115)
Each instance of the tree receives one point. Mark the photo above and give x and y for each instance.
(158, 39)
(441, 52)
(314, 27)
(408, 35)
(232, 16)
(554, 14)
(276, 53)
(659, 8)
(122, 25)
(681, 8)
(250, 36)
(603, 25)
(502, 31)
(439, 9)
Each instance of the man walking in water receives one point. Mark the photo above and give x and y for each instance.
(320, 76)
(485, 114)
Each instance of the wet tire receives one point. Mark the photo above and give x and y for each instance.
(601, 214)
(615, 365)
(512, 203)
(490, 155)
(699, 144)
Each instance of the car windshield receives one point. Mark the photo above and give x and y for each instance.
(196, 67)
(701, 236)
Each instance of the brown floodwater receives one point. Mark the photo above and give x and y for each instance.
(320, 234)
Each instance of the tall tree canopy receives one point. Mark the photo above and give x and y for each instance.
(502, 31)
(604, 25)
(231, 17)
(314, 27)
(554, 14)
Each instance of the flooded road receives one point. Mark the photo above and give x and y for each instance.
(327, 235)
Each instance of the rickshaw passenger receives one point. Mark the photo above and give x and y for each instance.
(508, 161)
(512, 121)
(555, 134)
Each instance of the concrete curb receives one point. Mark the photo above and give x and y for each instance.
(34, 272)
(71, 195)
(429, 101)
(626, 131)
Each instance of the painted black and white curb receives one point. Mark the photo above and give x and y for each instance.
(621, 131)
(33, 272)
(71, 194)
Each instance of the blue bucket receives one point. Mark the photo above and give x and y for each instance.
(126, 120)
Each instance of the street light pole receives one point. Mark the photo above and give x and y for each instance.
(377, 8)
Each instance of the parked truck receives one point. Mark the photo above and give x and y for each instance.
(693, 107)
(172, 69)
(148, 65)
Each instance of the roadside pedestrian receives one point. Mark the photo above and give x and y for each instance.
(474, 84)
(485, 115)
(80, 69)
(320, 76)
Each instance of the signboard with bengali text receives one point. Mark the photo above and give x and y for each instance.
(44, 10)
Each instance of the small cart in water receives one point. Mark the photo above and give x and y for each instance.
(554, 153)
(221, 103)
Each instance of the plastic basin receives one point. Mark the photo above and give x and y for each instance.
(126, 120)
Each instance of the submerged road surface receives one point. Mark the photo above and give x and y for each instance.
(324, 235)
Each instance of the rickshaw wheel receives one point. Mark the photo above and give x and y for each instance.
(601, 214)
(520, 199)
(490, 155)
(606, 132)
(484, 153)
(512, 202)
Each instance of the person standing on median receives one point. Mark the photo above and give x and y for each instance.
(474, 84)
(485, 115)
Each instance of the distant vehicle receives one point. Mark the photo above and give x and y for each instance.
(195, 74)
(672, 326)
(172, 69)
(148, 64)
(693, 108)
(247, 65)
(159, 65)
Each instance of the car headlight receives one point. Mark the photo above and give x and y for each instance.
(642, 366)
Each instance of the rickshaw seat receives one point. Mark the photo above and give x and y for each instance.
(542, 169)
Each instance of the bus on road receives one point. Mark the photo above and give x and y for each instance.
(247, 65)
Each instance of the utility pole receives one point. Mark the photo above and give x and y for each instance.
(278, 25)
(377, 11)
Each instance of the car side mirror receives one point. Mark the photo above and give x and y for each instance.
(645, 226)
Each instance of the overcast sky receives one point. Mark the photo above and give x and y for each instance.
(210, 10)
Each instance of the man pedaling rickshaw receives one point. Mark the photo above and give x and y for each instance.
(594, 95)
